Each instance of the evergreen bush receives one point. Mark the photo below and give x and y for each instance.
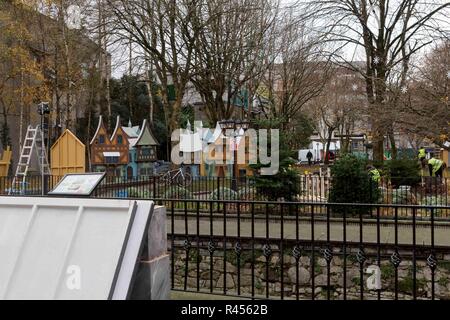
(177, 192)
(403, 172)
(285, 184)
(134, 192)
(223, 194)
(351, 183)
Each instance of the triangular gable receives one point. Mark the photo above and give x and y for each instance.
(146, 137)
(132, 132)
(118, 130)
(70, 133)
(218, 134)
(100, 126)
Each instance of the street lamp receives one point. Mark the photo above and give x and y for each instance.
(43, 109)
(236, 126)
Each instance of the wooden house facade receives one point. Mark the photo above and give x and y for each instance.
(143, 150)
(129, 152)
(67, 155)
(215, 153)
(110, 154)
(146, 150)
(5, 162)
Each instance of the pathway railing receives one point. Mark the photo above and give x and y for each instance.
(297, 250)
(427, 191)
(288, 251)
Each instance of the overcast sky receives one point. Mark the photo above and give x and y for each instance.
(351, 52)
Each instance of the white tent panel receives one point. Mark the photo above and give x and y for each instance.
(132, 250)
(55, 248)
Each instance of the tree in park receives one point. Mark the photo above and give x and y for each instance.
(351, 183)
(285, 183)
(166, 33)
(232, 53)
(389, 34)
(21, 75)
(338, 109)
(299, 71)
(425, 109)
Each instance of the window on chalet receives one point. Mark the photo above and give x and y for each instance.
(147, 152)
(112, 160)
(119, 139)
(101, 139)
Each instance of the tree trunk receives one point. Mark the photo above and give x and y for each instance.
(150, 94)
(378, 146)
(327, 148)
(394, 151)
(88, 140)
(5, 138)
(57, 96)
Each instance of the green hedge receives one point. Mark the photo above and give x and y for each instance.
(223, 194)
(403, 172)
(351, 183)
(177, 192)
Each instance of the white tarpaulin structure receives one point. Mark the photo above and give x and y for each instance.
(67, 248)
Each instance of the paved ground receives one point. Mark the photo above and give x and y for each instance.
(387, 231)
(179, 295)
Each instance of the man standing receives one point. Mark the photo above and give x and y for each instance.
(436, 167)
(309, 157)
(422, 156)
(374, 174)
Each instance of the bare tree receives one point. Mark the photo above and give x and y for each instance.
(339, 108)
(166, 32)
(424, 101)
(232, 51)
(300, 71)
(388, 33)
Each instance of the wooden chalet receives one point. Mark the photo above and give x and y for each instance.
(67, 155)
(110, 154)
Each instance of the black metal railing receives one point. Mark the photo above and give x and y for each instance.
(407, 191)
(308, 250)
(291, 250)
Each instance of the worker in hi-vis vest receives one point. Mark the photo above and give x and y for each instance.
(374, 174)
(436, 167)
(422, 154)
(422, 158)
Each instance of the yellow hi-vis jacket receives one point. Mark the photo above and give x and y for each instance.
(376, 176)
(436, 164)
(422, 153)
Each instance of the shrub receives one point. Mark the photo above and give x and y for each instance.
(136, 193)
(223, 194)
(177, 192)
(286, 182)
(250, 194)
(351, 183)
(403, 195)
(403, 172)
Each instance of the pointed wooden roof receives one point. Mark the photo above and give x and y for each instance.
(99, 126)
(65, 133)
(146, 137)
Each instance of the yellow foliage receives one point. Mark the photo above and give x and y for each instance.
(21, 74)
